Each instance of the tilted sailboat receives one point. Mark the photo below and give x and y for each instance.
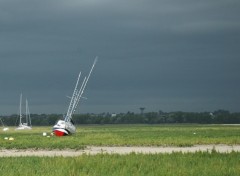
(66, 126)
(27, 124)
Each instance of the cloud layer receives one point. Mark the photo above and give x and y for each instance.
(163, 55)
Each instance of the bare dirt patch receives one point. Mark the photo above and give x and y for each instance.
(92, 150)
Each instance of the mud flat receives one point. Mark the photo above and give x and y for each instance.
(93, 150)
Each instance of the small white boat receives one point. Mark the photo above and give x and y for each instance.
(4, 128)
(27, 125)
(66, 126)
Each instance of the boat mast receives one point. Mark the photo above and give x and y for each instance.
(68, 116)
(28, 114)
(77, 94)
(20, 112)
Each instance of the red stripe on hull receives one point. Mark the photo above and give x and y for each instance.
(59, 133)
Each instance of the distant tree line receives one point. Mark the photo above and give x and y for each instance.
(217, 117)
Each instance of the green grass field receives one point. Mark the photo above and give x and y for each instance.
(124, 135)
(174, 164)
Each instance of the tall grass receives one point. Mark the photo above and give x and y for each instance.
(175, 164)
(124, 135)
(144, 135)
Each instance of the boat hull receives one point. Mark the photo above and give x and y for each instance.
(23, 127)
(63, 128)
(5, 129)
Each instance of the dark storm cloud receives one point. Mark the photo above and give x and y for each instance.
(161, 54)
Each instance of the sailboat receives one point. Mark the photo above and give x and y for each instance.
(27, 124)
(66, 126)
(4, 127)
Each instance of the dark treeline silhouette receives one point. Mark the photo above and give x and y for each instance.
(217, 117)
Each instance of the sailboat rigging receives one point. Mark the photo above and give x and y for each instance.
(27, 124)
(66, 126)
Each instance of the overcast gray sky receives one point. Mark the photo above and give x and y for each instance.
(167, 55)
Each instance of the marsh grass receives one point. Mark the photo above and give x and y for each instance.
(175, 164)
(159, 135)
(124, 135)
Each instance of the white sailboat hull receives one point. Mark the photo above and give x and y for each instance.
(5, 129)
(23, 127)
(63, 128)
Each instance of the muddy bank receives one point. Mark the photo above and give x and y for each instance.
(92, 150)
